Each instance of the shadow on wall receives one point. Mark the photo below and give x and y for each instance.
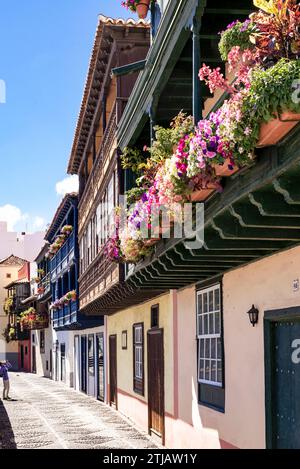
(7, 437)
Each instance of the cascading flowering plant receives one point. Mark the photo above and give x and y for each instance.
(132, 4)
(262, 55)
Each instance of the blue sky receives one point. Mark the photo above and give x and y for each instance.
(45, 47)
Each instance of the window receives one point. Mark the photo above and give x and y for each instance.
(89, 243)
(91, 359)
(124, 340)
(210, 347)
(154, 316)
(42, 341)
(99, 227)
(8, 275)
(94, 243)
(138, 358)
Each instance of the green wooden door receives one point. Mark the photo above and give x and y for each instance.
(285, 345)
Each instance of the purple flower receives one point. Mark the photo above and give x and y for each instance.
(244, 26)
(231, 25)
(144, 197)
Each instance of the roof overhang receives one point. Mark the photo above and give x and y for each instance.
(61, 212)
(103, 44)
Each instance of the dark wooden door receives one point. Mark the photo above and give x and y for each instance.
(113, 370)
(100, 367)
(51, 365)
(63, 362)
(22, 357)
(156, 392)
(285, 391)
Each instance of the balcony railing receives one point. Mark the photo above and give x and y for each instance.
(66, 315)
(14, 333)
(92, 185)
(99, 272)
(37, 324)
(63, 257)
(44, 286)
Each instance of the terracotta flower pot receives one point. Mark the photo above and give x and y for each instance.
(201, 195)
(142, 9)
(276, 129)
(222, 170)
(151, 241)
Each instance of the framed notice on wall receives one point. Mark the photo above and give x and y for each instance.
(124, 340)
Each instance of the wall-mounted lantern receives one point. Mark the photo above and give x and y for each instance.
(253, 315)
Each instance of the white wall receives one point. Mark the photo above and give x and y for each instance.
(43, 360)
(25, 246)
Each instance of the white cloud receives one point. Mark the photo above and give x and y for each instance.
(39, 223)
(12, 215)
(18, 221)
(67, 185)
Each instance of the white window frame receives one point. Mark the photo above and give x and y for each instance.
(210, 336)
(138, 352)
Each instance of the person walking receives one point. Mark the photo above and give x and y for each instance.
(4, 367)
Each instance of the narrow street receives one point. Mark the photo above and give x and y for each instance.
(48, 415)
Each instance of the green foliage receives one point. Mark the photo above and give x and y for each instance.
(162, 147)
(133, 159)
(237, 35)
(9, 333)
(167, 139)
(271, 93)
(182, 125)
(8, 304)
(134, 194)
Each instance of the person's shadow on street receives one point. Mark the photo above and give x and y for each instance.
(7, 437)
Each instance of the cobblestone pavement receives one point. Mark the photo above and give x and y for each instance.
(49, 415)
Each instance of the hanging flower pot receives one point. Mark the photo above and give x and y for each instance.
(151, 241)
(276, 129)
(201, 195)
(142, 9)
(222, 170)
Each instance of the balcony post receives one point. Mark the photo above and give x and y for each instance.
(197, 98)
(152, 116)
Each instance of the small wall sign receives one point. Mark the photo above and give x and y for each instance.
(296, 285)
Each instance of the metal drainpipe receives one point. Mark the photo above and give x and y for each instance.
(197, 98)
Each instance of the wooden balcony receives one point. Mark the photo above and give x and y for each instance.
(95, 180)
(100, 276)
(63, 258)
(68, 317)
(44, 287)
(17, 335)
(36, 324)
(65, 315)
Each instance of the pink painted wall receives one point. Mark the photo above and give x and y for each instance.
(268, 284)
(134, 408)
